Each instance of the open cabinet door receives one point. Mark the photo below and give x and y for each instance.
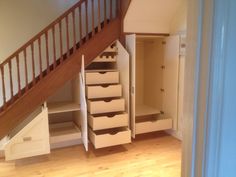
(171, 79)
(131, 47)
(123, 67)
(83, 108)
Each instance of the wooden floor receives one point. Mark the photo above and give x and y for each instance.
(152, 155)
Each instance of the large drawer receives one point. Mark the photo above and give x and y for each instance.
(106, 106)
(103, 91)
(107, 138)
(95, 78)
(108, 121)
(32, 139)
(151, 126)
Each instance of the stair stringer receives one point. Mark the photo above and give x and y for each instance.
(19, 110)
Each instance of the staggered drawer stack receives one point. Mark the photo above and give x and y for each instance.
(107, 118)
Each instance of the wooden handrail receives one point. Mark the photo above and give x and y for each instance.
(43, 48)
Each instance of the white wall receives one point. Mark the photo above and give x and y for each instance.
(21, 20)
(179, 20)
(152, 16)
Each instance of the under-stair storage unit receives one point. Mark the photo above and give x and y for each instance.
(30, 138)
(154, 82)
(64, 116)
(107, 93)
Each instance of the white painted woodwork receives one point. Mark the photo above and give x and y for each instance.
(171, 78)
(103, 77)
(106, 106)
(155, 80)
(108, 121)
(123, 65)
(154, 125)
(32, 139)
(100, 70)
(105, 59)
(103, 91)
(83, 112)
(111, 49)
(60, 107)
(62, 132)
(155, 16)
(131, 48)
(108, 138)
(143, 110)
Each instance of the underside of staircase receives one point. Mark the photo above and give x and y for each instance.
(49, 80)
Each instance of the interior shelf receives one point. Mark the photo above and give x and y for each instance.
(144, 110)
(100, 70)
(61, 132)
(59, 107)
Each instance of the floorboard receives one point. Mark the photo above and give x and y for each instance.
(150, 155)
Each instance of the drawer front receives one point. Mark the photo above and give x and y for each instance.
(98, 107)
(151, 126)
(102, 78)
(31, 140)
(106, 122)
(103, 92)
(109, 139)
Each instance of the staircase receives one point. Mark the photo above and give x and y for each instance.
(52, 57)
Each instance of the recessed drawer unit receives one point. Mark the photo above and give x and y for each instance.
(103, 77)
(153, 125)
(105, 59)
(108, 121)
(106, 138)
(105, 91)
(106, 106)
(111, 49)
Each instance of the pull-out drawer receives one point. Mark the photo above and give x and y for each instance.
(106, 106)
(153, 125)
(106, 138)
(108, 121)
(103, 91)
(103, 77)
(32, 139)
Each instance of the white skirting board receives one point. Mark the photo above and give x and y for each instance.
(175, 134)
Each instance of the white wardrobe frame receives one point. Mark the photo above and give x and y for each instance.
(170, 79)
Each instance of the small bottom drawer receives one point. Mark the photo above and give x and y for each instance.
(151, 126)
(107, 138)
(108, 121)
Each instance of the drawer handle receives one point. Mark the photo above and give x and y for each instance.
(102, 72)
(114, 133)
(105, 86)
(27, 139)
(110, 116)
(107, 101)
